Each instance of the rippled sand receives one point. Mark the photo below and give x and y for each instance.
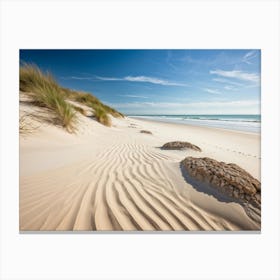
(119, 179)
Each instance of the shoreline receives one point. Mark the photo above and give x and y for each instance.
(148, 118)
(195, 126)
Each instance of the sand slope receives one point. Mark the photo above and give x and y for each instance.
(119, 179)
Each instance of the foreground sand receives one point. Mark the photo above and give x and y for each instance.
(119, 179)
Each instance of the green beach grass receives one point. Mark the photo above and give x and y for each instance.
(46, 92)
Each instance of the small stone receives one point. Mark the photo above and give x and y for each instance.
(146, 131)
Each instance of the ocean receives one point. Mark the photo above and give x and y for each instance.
(248, 123)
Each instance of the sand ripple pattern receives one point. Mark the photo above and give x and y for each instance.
(126, 187)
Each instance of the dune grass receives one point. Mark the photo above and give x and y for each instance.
(46, 92)
(32, 78)
(102, 117)
(101, 110)
(91, 101)
(80, 110)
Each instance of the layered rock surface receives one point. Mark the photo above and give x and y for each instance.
(178, 145)
(229, 179)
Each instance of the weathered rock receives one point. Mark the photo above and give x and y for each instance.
(178, 145)
(146, 131)
(258, 197)
(236, 193)
(230, 179)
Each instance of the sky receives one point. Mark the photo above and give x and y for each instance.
(139, 82)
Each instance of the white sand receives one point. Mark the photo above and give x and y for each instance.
(119, 179)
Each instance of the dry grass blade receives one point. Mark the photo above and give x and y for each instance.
(102, 117)
(80, 110)
(47, 93)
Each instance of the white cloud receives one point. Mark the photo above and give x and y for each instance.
(217, 107)
(249, 56)
(190, 104)
(240, 75)
(226, 81)
(139, 79)
(213, 91)
(77, 78)
(108, 78)
(230, 88)
(134, 96)
(151, 80)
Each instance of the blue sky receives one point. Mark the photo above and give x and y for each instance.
(160, 81)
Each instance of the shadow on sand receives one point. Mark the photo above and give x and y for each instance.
(206, 188)
(253, 212)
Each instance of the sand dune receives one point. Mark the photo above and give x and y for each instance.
(119, 179)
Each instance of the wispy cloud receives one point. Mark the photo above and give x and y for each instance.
(138, 79)
(249, 56)
(77, 78)
(223, 59)
(134, 96)
(213, 91)
(107, 78)
(232, 88)
(240, 75)
(169, 58)
(226, 81)
(152, 80)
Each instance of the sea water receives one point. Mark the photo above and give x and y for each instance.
(248, 123)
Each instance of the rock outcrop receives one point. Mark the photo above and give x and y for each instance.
(229, 179)
(178, 145)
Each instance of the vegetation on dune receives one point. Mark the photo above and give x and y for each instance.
(80, 110)
(46, 92)
(112, 111)
(102, 116)
(33, 79)
(91, 101)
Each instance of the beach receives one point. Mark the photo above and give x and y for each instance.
(117, 178)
